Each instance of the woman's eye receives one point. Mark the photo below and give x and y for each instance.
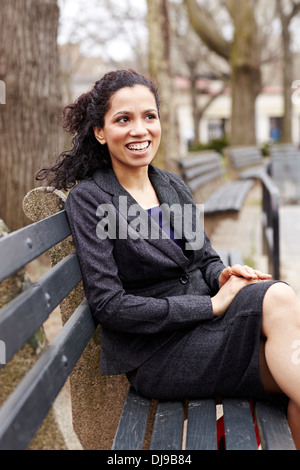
(151, 116)
(123, 119)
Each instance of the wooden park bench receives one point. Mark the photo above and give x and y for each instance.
(103, 407)
(204, 173)
(242, 159)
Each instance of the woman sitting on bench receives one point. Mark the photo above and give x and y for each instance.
(174, 319)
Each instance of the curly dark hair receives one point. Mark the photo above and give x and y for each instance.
(79, 118)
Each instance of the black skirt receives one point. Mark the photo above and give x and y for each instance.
(219, 357)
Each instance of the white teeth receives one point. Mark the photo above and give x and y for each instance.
(138, 146)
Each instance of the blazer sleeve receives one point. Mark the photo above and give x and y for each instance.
(112, 307)
(211, 264)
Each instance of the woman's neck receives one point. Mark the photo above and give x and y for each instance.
(135, 178)
(136, 181)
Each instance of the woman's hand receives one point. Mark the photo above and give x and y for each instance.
(232, 280)
(242, 271)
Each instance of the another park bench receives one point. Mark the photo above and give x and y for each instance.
(175, 425)
(284, 168)
(242, 159)
(249, 164)
(204, 174)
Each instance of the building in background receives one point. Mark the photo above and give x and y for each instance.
(215, 122)
(80, 72)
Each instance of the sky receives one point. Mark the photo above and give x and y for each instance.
(95, 22)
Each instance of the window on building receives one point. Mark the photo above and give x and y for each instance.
(217, 128)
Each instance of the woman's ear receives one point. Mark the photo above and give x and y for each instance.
(99, 135)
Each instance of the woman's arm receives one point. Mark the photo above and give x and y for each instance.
(110, 304)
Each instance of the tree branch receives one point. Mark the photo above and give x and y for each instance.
(202, 110)
(207, 29)
(295, 9)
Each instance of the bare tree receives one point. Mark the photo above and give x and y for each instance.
(29, 127)
(286, 12)
(243, 54)
(192, 59)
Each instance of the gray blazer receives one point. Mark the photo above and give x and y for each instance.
(142, 288)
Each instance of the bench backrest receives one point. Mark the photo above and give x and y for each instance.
(282, 150)
(241, 158)
(24, 410)
(201, 168)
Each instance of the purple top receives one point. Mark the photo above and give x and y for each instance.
(164, 223)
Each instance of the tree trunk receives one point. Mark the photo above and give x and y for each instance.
(246, 74)
(243, 55)
(160, 70)
(285, 19)
(286, 131)
(243, 105)
(29, 128)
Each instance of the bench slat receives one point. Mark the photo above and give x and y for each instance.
(22, 246)
(199, 170)
(201, 180)
(229, 197)
(244, 156)
(273, 428)
(206, 157)
(132, 425)
(239, 426)
(201, 429)
(36, 303)
(25, 409)
(168, 426)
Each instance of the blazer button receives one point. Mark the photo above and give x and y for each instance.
(184, 279)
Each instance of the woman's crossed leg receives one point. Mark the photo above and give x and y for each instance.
(280, 349)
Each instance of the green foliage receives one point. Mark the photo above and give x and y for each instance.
(214, 144)
(265, 149)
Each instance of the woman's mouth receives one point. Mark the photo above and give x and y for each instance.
(138, 146)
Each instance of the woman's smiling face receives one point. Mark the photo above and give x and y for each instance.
(132, 128)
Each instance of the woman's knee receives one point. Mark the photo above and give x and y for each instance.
(280, 304)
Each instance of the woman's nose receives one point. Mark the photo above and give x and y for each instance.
(138, 128)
